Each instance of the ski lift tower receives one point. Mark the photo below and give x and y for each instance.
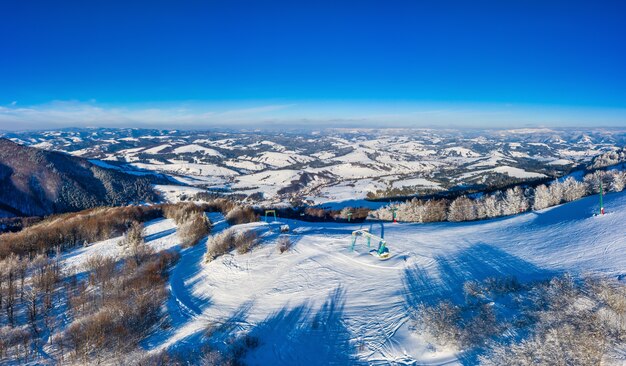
(394, 213)
(601, 203)
(381, 253)
(267, 212)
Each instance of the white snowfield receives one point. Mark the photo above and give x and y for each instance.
(508, 170)
(320, 303)
(193, 148)
(239, 161)
(160, 234)
(183, 168)
(422, 182)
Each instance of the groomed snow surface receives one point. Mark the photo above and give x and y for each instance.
(320, 303)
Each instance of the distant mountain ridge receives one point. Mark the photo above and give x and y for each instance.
(35, 182)
(335, 165)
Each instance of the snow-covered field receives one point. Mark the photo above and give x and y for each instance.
(413, 160)
(321, 303)
(160, 234)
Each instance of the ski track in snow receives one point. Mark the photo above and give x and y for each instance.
(319, 303)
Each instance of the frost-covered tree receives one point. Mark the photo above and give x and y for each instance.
(412, 211)
(514, 201)
(618, 181)
(462, 209)
(435, 210)
(609, 158)
(573, 189)
(556, 193)
(592, 181)
(134, 244)
(383, 213)
(481, 212)
(344, 214)
(542, 198)
(491, 206)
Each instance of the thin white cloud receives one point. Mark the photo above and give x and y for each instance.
(59, 114)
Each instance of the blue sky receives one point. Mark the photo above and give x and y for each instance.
(136, 63)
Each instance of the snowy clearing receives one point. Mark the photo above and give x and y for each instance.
(320, 303)
(193, 148)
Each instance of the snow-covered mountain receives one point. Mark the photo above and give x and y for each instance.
(319, 166)
(35, 182)
(322, 303)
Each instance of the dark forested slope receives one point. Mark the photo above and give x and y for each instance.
(36, 182)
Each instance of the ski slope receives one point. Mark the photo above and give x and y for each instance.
(159, 234)
(321, 304)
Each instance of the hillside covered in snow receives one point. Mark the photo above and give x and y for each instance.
(336, 165)
(303, 297)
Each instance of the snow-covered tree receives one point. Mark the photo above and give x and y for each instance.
(514, 201)
(491, 206)
(462, 209)
(573, 189)
(344, 214)
(618, 181)
(542, 198)
(134, 244)
(592, 181)
(435, 210)
(383, 213)
(556, 193)
(410, 211)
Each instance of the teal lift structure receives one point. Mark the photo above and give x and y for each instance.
(267, 212)
(381, 253)
(601, 203)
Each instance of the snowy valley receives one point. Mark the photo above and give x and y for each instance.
(334, 165)
(492, 278)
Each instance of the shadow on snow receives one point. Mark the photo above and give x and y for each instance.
(476, 263)
(301, 336)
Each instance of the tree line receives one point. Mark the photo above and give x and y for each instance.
(503, 203)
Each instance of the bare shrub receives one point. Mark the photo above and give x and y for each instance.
(193, 230)
(15, 342)
(220, 244)
(245, 241)
(562, 321)
(134, 244)
(73, 229)
(441, 322)
(193, 225)
(114, 324)
(182, 212)
(573, 322)
(101, 269)
(228, 240)
(284, 244)
(241, 215)
(161, 358)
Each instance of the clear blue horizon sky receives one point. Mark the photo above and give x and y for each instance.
(126, 59)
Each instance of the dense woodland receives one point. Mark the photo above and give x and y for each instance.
(36, 182)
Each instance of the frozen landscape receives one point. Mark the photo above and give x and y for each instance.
(321, 303)
(283, 183)
(202, 274)
(361, 304)
(335, 165)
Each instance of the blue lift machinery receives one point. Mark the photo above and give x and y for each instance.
(381, 253)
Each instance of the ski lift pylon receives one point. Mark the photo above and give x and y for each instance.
(381, 253)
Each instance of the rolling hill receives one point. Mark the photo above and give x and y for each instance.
(35, 182)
